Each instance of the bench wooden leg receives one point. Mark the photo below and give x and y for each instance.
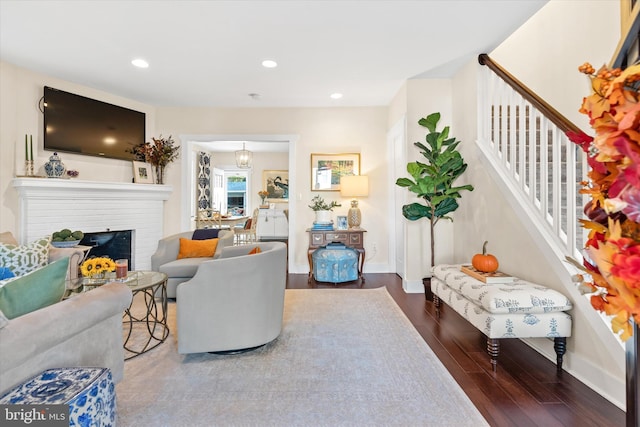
(560, 346)
(436, 302)
(493, 348)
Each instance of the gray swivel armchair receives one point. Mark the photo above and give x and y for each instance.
(234, 302)
(165, 259)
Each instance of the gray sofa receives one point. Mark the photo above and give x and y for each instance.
(165, 259)
(234, 302)
(85, 330)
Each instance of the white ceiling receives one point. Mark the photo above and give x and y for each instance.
(233, 146)
(209, 53)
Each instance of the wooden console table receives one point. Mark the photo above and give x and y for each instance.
(354, 238)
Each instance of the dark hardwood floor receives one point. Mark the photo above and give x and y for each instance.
(524, 391)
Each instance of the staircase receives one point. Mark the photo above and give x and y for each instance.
(524, 139)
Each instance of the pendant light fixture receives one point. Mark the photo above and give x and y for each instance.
(243, 158)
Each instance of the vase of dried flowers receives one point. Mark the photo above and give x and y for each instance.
(159, 153)
(159, 174)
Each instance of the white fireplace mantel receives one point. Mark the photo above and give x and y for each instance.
(42, 187)
(47, 205)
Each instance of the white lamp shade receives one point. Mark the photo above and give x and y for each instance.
(354, 186)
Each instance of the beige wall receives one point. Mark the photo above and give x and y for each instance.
(261, 162)
(547, 50)
(544, 53)
(20, 91)
(555, 46)
(318, 130)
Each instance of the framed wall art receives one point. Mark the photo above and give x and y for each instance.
(276, 184)
(142, 173)
(326, 170)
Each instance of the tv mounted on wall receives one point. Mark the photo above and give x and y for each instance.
(80, 125)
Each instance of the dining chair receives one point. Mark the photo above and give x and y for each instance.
(248, 234)
(208, 218)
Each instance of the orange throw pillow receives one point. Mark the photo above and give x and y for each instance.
(255, 250)
(197, 248)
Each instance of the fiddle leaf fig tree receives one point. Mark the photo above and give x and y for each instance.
(433, 181)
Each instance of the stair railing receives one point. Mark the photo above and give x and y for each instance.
(524, 139)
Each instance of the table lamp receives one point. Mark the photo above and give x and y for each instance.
(354, 186)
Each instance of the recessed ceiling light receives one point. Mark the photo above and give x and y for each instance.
(269, 63)
(140, 63)
(336, 95)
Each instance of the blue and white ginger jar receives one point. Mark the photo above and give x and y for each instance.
(54, 168)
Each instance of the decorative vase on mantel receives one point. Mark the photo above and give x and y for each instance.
(159, 174)
(54, 168)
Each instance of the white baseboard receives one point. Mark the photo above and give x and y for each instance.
(377, 268)
(412, 286)
(593, 376)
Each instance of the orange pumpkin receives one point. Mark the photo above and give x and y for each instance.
(484, 262)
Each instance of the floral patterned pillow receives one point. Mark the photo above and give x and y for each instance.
(24, 259)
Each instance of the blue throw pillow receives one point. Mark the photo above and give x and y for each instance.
(205, 234)
(5, 273)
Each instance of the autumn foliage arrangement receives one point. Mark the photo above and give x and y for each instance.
(613, 155)
(159, 153)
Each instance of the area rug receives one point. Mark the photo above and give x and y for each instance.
(345, 357)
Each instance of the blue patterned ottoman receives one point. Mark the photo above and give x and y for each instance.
(335, 263)
(89, 392)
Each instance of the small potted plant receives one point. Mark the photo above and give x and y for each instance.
(322, 209)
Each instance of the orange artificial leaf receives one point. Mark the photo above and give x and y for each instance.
(597, 303)
(595, 105)
(630, 118)
(595, 226)
(628, 72)
(633, 135)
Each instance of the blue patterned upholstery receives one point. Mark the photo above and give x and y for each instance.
(89, 392)
(504, 325)
(335, 264)
(507, 310)
(519, 296)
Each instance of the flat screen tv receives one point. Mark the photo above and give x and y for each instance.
(76, 124)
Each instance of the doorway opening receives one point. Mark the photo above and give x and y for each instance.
(212, 143)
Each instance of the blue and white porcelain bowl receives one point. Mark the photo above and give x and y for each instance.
(65, 244)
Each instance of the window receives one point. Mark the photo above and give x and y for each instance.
(236, 192)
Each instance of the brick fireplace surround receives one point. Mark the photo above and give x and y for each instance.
(48, 205)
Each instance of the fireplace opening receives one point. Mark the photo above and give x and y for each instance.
(112, 244)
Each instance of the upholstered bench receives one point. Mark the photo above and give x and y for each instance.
(507, 310)
(89, 392)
